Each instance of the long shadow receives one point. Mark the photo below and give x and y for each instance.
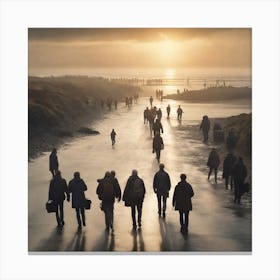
(106, 242)
(138, 243)
(54, 242)
(78, 242)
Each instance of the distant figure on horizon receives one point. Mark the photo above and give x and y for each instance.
(133, 197)
(146, 115)
(151, 101)
(168, 109)
(157, 145)
(205, 127)
(113, 137)
(157, 127)
(161, 187)
(213, 163)
(239, 175)
(116, 104)
(107, 190)
(53, 162)
(182, 202)
(77, 187)
(179, 113)
(228, 166)
(57, 190)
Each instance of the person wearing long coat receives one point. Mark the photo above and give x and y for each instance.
(57, 190)
(228, 165)
(239, 175)
(182, 201)
(157, 145)
(205, 127)
(213, 163)
(53, 162)
(161, 187)
(133, 196)
(77, 187)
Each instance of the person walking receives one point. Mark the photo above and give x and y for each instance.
(239, 175)
(179, 113)
(168, 109)
(77, 187)
(151, 101)
(157, 127)
(161, 187)
(157, 145)
(113, 137)
(53, 162)
(133, 196)
(159, 114)
(182, 202)
(205, 127)
(228, 165)
(57, 190)
(107, 190)
(213, 163)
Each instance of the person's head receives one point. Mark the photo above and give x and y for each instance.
(179, 106)
(54, 150)
(113, 173)
(183, 177)
(77, 175)
(147, 108)
(134, 172)
(161, 166)
(107, 174)
(58, 173)
(113, 129)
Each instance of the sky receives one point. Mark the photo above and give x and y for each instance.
(139, 47)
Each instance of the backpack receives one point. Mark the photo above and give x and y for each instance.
(108, 191)
(137, 191)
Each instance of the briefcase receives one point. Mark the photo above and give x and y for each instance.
(51, 206)
(87, 204)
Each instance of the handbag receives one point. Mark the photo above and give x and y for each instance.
(87, 204)
(51, 206)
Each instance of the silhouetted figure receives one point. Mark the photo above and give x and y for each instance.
(126, 102)
(168, 109)
(228, 165)
(151, 101)
(113, 137)
(179, 113)
(102, 103)
(53, 162)
(239, 175)
(231, 140)
(157, 127)
(213, 163)
(161, 187)
(58, 189)
(116, 104)
(133, 196)
(205, 127)
(218, 133)
(146, 115)
(159, 114)
(157, 145)
(77, 187)
(182, 201)
(108, 189)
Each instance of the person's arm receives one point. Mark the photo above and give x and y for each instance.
(84, 188)
(155, 183)
(168, 182)
(161, 128)
(174, 197)
(144, 189)
(118, 190)
(191, 191)
(125, 193)
(51, 194)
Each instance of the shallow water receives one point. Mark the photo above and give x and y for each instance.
(216, 224)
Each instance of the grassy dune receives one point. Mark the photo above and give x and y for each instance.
(58, 106)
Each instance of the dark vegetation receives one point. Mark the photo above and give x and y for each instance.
(214, 94)
(59, 106)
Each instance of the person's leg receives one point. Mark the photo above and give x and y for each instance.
(78, 216)
(57, 215)
(158, 154)
(133, 215)
(83, 216)
(231, 182)
(210, 171)
(181, 220)
(107, 220)
(61, 210)
(139, 210)
(187, 220)
(164, 198)
(159, 204)
(216, 171)
(226, 180)
(111, 216)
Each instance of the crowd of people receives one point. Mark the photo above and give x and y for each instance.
(109, 190)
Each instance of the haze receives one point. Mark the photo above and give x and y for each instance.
(139, 47)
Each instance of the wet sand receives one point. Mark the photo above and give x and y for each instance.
(216, 224)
